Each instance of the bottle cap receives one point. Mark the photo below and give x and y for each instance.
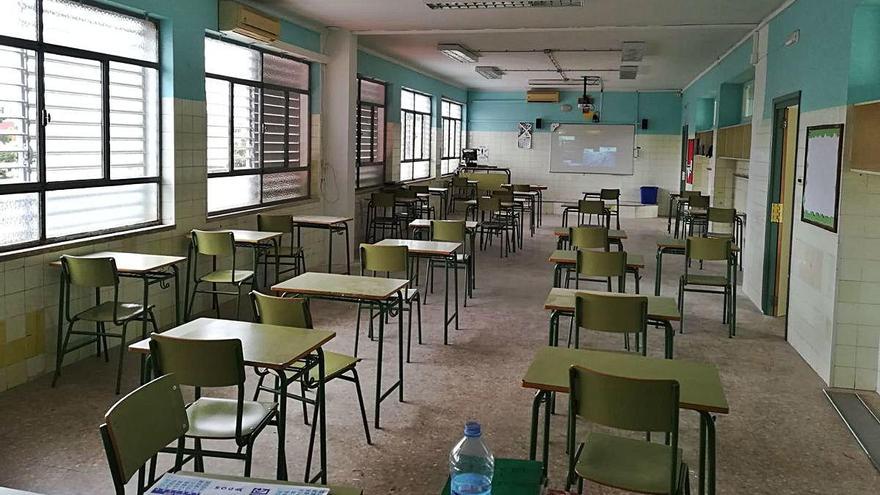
(472, 429)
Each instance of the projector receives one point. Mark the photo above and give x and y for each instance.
(585, 104)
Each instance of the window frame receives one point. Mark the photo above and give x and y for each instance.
(444, 121)
(42, 186)
(384, 137)
(422, 115)
(262, 170)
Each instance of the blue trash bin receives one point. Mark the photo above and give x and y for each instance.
(649, 195)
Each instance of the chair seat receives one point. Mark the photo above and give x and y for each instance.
(104, 312)
(627, 464)
(226, 276)
(335, 364)
(711, 280)
(211, 417)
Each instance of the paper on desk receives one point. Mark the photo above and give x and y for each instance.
(175, 484)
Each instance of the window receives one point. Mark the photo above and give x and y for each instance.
(415, 131)
(258, 127)
(450, 115)
(79, 122)
(370, 133)
(748, 102)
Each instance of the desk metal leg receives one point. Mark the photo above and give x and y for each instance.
(383, 308)
(670, 334)
(707, 454)
(553, 339)
(330, 248)
(533, 431)
(659, 271)
(445, 305)
(146, 302)
(400, 334)
(284, 382)
(176, 272)
(347, 250)
(322, 418)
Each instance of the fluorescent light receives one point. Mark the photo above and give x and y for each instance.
(502, 4)
(458, 53)
(628, 71)
(489, 72)
(632, 51)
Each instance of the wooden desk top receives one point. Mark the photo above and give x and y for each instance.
(700, 384)
(612, 233)
(673, 243)
(423, 247)
(344, 286)
(659, 307)
(422, 223)
(134, 263)
(569, 257)
(267, 346)
(323, 220)
(334, 489)
(535, 187)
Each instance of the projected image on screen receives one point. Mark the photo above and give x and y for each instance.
(592, 149)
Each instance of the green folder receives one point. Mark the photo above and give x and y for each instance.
(514, 477)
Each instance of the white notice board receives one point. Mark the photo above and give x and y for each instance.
(592, 149)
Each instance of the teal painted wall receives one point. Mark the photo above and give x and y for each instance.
(730, 104)
(864, 68)
(501, 111)
(182, 26)
(735, 68)
(399, 77)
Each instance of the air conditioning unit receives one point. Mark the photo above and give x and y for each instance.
(542, 96)
(245, 21)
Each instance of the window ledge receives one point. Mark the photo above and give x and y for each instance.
(74, 243)
(260, 209)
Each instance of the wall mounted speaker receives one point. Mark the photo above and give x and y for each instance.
(644, 124)
(539, 123)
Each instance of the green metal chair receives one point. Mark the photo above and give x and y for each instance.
(453, 231)
(600, 266)
(696, 213)
(725, 217)
(611, 195)
(612, 313)
(493, 223)
(588, 237)
(423, 208)
(215, 245)
(291, 258)
(461, 191)
(138, 427)
(97, 273)
(382, 217)
(213, 364)
(390, 260)
(589, 207)
(712, 249)
(513, 212)
(681, 203)
(631, 405)
(294, 312)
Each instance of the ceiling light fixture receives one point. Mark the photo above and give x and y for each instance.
(628, 71)
(632, 51)
(489, 72)
(503, 4)
(458, 53)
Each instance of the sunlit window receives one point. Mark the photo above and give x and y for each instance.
(258, 127)
(415, 135)
(370, 158)
(79, 122)
(451, 119)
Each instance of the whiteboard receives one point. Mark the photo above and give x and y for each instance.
(592, 149)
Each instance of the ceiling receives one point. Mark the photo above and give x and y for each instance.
(683, 36)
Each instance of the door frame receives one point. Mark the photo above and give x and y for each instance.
(774, 193)
(682, 175)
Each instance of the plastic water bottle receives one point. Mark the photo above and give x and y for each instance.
(471, 464)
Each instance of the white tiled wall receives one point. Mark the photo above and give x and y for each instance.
(658, 165)
(29, 287)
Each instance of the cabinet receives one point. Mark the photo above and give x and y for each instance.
(735, 142)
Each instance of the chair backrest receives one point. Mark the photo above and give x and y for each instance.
(609, 194)
(699, 201)
(283, 311)
(405, 193)
(722, 215)
(591, 207)
(708, 248)
(275, 223)
(601, 263)
(491, 204)
(141, 424)
(389, 259)
(459, 181)
(448, 230)
(503, 196)
(521, 187)
(588, 237)
(83, 271)
(607, 312)
(690, 194)
(419, 189)
(199, 362)
(382, 199)
(214, 242)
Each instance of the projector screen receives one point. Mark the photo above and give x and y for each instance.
(592, 149)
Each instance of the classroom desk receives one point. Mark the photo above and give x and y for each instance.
(534, 213)
(334, 489)
(671, 245)
(443, 194)
(614, 237)
(567, 258)
(538, 188)
(384, 292)
(472, 210)
(661, 310)
(333, 225)
(420, 224)
(434, 250)
(700, 388)
(251, 239)
(272, 347)
(567, 209)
